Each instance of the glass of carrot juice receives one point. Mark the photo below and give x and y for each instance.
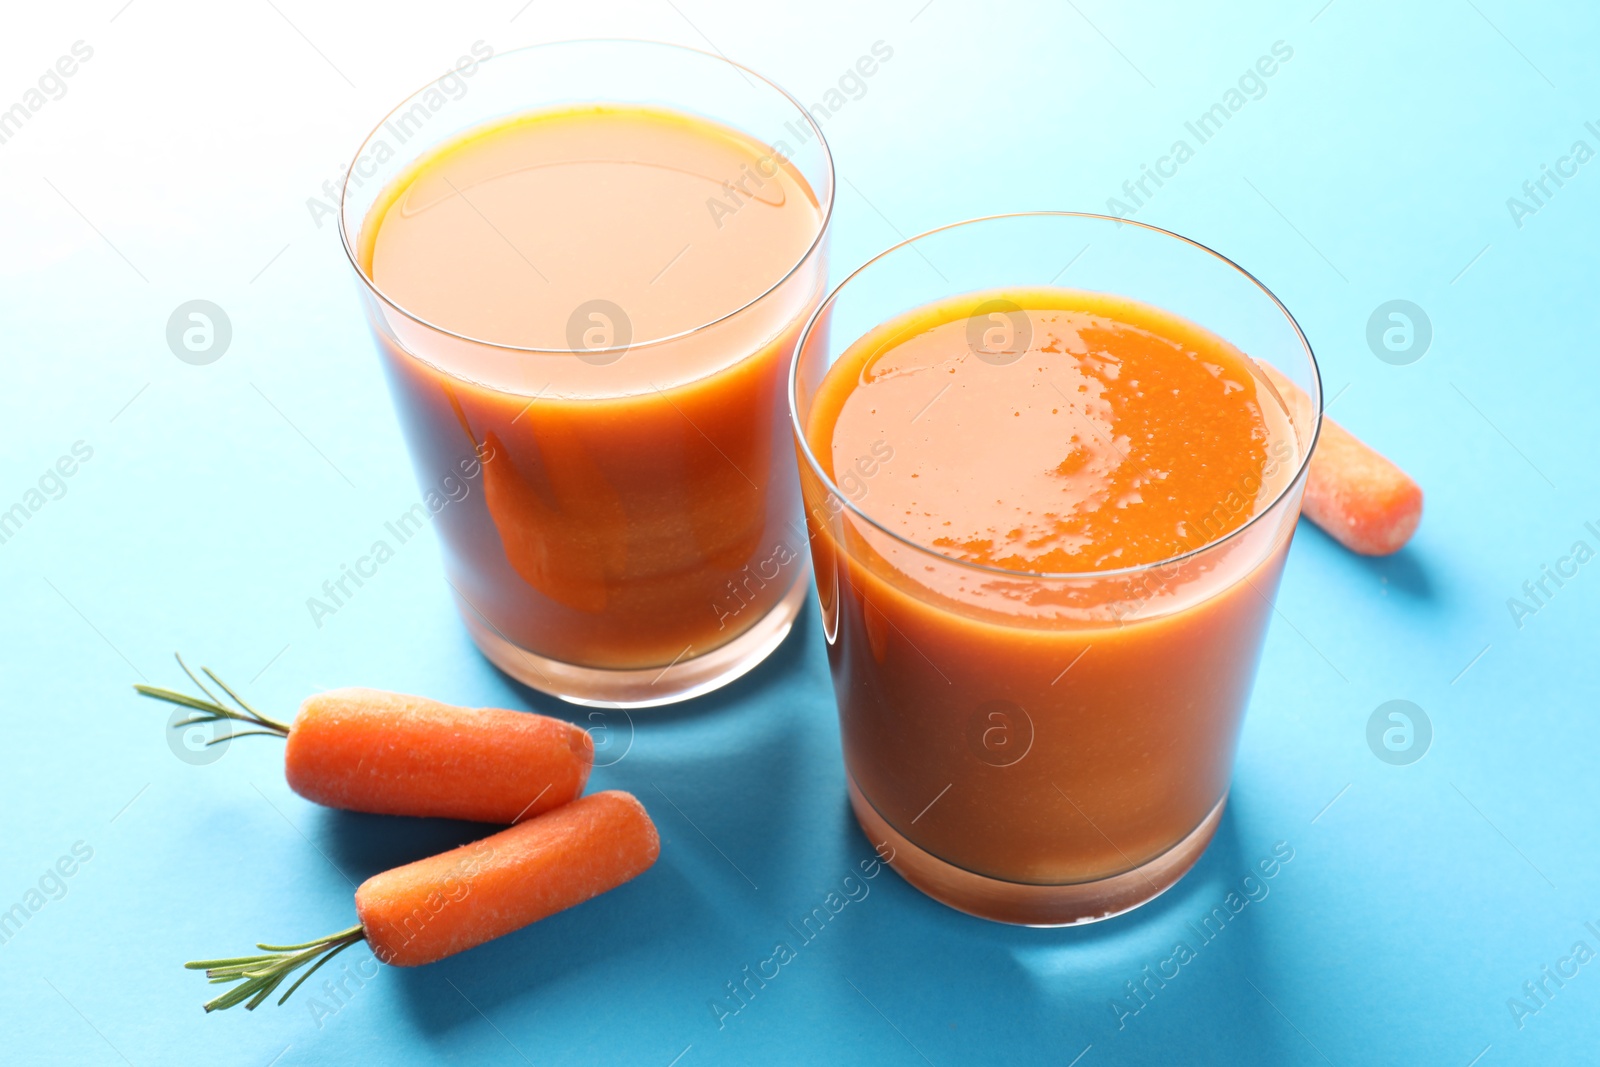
(1050, 491)
(586, 265)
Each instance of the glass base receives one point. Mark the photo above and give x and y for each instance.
(681, 680)
(1033, 905)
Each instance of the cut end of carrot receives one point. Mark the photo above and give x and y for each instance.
(1358, 497)
(581, 744)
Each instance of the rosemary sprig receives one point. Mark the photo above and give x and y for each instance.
(260, 976)
(212, 708)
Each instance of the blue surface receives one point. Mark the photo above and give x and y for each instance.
(218, 498)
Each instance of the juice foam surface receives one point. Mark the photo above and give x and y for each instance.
(1100, 434)
(503, 234)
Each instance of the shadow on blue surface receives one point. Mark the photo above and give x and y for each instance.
(705, 771)
(508, 977)
(786, 659)
(745, 855)
(362, 845)
(1404, 571)
(1068, 981)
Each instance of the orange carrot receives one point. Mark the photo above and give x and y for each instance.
(506, 881)
(368, 750)
(1358, 496)
(391, 754)
(445, 904)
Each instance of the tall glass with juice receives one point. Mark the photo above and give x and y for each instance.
(586, 272)
(1050, 491)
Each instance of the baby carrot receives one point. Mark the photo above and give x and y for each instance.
(436, 907)
(391, 754)
(1357, 495)
(516, 877)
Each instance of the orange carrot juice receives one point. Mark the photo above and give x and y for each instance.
(599, 306)
(1040, 683)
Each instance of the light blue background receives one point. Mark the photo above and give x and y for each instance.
(1377, 166)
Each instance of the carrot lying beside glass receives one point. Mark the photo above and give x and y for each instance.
(1357, 495)
(392, 754)
(436, 907)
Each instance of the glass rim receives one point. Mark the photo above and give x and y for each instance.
(826, 305)
(826, 218)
